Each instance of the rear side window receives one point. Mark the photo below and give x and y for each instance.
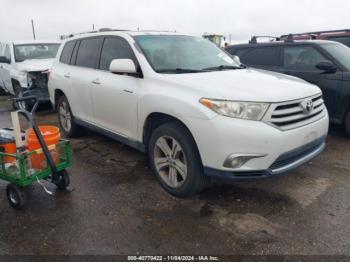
(262, 56)
(67, 52)
(303, 58)
(240, 52)
(88, 52)
(115, 48)
(235, 51)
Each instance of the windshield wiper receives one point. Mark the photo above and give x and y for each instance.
(224, 67)
(181, 70)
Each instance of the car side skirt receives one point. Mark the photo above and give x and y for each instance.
(129, 142)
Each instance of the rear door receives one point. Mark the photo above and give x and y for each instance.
(81, 75)
(301, 61)
(60, 73)
(115, 96)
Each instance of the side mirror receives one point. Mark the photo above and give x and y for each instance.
(5, 60)
(237, 59)
(122, 66)
(327, 67)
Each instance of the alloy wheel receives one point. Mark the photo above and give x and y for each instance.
(65, 116)
(170, 161)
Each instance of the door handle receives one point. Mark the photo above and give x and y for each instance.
(67, 75)
(96, 81)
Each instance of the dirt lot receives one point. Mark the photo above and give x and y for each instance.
(118, 208)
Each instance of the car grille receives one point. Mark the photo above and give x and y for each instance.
(289, 115)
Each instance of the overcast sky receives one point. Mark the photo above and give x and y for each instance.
(240, 18)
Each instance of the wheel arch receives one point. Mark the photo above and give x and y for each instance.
(156, 119)
(58, 93)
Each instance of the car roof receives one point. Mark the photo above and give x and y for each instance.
(27, 42)
(122, 33)
(281, 43)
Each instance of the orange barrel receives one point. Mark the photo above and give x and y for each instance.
(8, 146)
(52, 136)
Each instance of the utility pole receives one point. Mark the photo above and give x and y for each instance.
(33, 29)
(93, 27)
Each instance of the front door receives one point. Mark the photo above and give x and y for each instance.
(115, 96)
(301, 61)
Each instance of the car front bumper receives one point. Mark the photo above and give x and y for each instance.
(279, 151)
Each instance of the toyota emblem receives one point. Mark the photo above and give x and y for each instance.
(308, 106)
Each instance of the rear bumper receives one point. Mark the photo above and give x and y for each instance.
(284, 163)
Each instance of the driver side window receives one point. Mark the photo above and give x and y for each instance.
(302, 58)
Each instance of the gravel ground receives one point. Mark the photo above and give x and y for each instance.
(117, 207)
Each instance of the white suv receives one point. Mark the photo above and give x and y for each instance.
(196, 110)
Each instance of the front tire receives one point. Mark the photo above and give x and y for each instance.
(66, 119)
(347, 123)
(175, 160)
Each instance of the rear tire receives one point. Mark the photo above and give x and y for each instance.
(347, 123)
(175, 160)
(16, 196)
(66, 119)
(63, 180)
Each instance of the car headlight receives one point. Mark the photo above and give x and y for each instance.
(242, 110)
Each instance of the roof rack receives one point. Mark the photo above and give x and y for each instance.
(313, 35)
(62, 37)
(254, 39)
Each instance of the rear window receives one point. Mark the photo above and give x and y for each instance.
(261, 56)
(88, 52)
(67, 52)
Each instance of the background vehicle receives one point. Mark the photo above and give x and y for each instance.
(24, 67)
(217, 39)
(341, 36)
(323, 63)
(172, 95)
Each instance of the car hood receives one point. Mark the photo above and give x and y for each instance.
(246, 85)
(35, 65)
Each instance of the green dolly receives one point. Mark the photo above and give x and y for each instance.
(20, 174)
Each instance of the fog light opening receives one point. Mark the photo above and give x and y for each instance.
(238, 160)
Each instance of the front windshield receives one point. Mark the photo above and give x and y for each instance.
(183, 54)
(340, 52)
(35, 51)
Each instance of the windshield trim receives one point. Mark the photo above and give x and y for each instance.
(32, 44)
